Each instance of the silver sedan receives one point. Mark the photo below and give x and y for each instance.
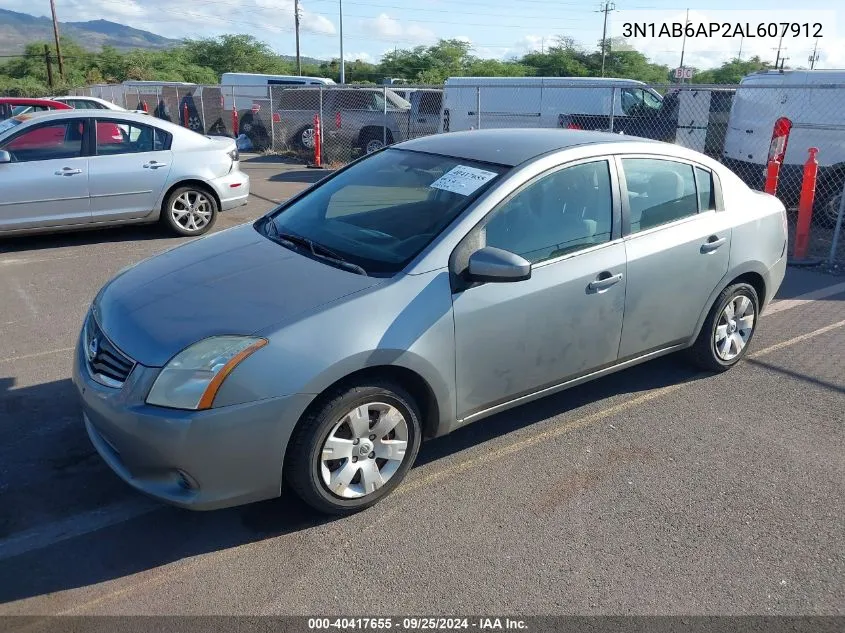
(77, 169)
(420, 289)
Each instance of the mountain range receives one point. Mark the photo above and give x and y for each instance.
(19, 29)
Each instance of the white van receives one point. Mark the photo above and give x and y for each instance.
(568, 102)
(249, 87)
(814, 102)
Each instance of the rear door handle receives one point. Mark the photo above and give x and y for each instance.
(713, 242)
(154, 164)
(604, 281)
(68, 171)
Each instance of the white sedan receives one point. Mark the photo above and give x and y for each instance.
(77, 169)
(91, 103)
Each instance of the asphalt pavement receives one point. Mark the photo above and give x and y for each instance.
(657, 490)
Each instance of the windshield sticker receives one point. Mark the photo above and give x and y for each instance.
(463, 180)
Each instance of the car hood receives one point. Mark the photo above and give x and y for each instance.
(233, 282)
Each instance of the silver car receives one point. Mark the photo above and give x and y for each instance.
(421, 288)
(78, 169)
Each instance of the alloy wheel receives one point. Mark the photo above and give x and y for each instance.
(364, 450)
(734, 328)
(192, 211)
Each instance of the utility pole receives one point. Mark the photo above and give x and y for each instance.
(49, 66)
(296, 22)
(739, 57)
(542, 45)
(684, 43)
(777, 58)
(342, 63)
(606, 8)
(815, 56)
(58, 45)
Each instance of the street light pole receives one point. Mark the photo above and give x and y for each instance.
(342, 64)
(296, 21)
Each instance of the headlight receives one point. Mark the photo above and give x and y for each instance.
(193, 377)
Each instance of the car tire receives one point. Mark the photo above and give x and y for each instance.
(189, 211)
(256, 133)
(724, 341)
(373, 140)
(339, 486)
(304, 139)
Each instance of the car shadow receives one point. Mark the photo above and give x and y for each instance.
(307, 176)
(85, 237)
(55, 474)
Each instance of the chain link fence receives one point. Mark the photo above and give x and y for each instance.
(732, 124)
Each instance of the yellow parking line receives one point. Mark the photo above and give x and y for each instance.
(443, 473)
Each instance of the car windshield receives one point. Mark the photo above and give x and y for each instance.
(380, 213)
(21, 109)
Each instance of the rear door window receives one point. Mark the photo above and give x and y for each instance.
(659, 191)
(123, 137)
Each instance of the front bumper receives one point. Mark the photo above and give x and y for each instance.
(202, 460)
(232, 189)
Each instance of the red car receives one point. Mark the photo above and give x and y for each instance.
(12, 106)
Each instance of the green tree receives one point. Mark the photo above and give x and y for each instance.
(561, 59)
(236, 53)
(731, 72)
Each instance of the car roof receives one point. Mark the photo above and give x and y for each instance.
(126, 115)
(510, 146)
(30, 101)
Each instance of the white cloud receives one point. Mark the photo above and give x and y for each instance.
(388, 28)
(362, 56)
(317, 23)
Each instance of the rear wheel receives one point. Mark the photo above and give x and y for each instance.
(355, 449)
(727, 330)
(189, 211)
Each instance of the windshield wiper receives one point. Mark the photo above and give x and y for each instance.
(317, 250)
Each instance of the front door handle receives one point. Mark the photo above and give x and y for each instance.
(604, 281)
(713, 242)
(68, 171)
(154, 164)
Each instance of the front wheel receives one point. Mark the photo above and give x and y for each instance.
(728, 329)
(352, 451)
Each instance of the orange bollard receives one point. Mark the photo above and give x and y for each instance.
(185, 116)
(145, 107)
(317, 157)
(805, 205)
(234, 122)
(772, 173)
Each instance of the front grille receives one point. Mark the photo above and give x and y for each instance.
(108, 364)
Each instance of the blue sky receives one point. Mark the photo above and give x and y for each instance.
(496, 28)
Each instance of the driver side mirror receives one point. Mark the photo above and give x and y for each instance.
(491, 264)
(5, 157)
